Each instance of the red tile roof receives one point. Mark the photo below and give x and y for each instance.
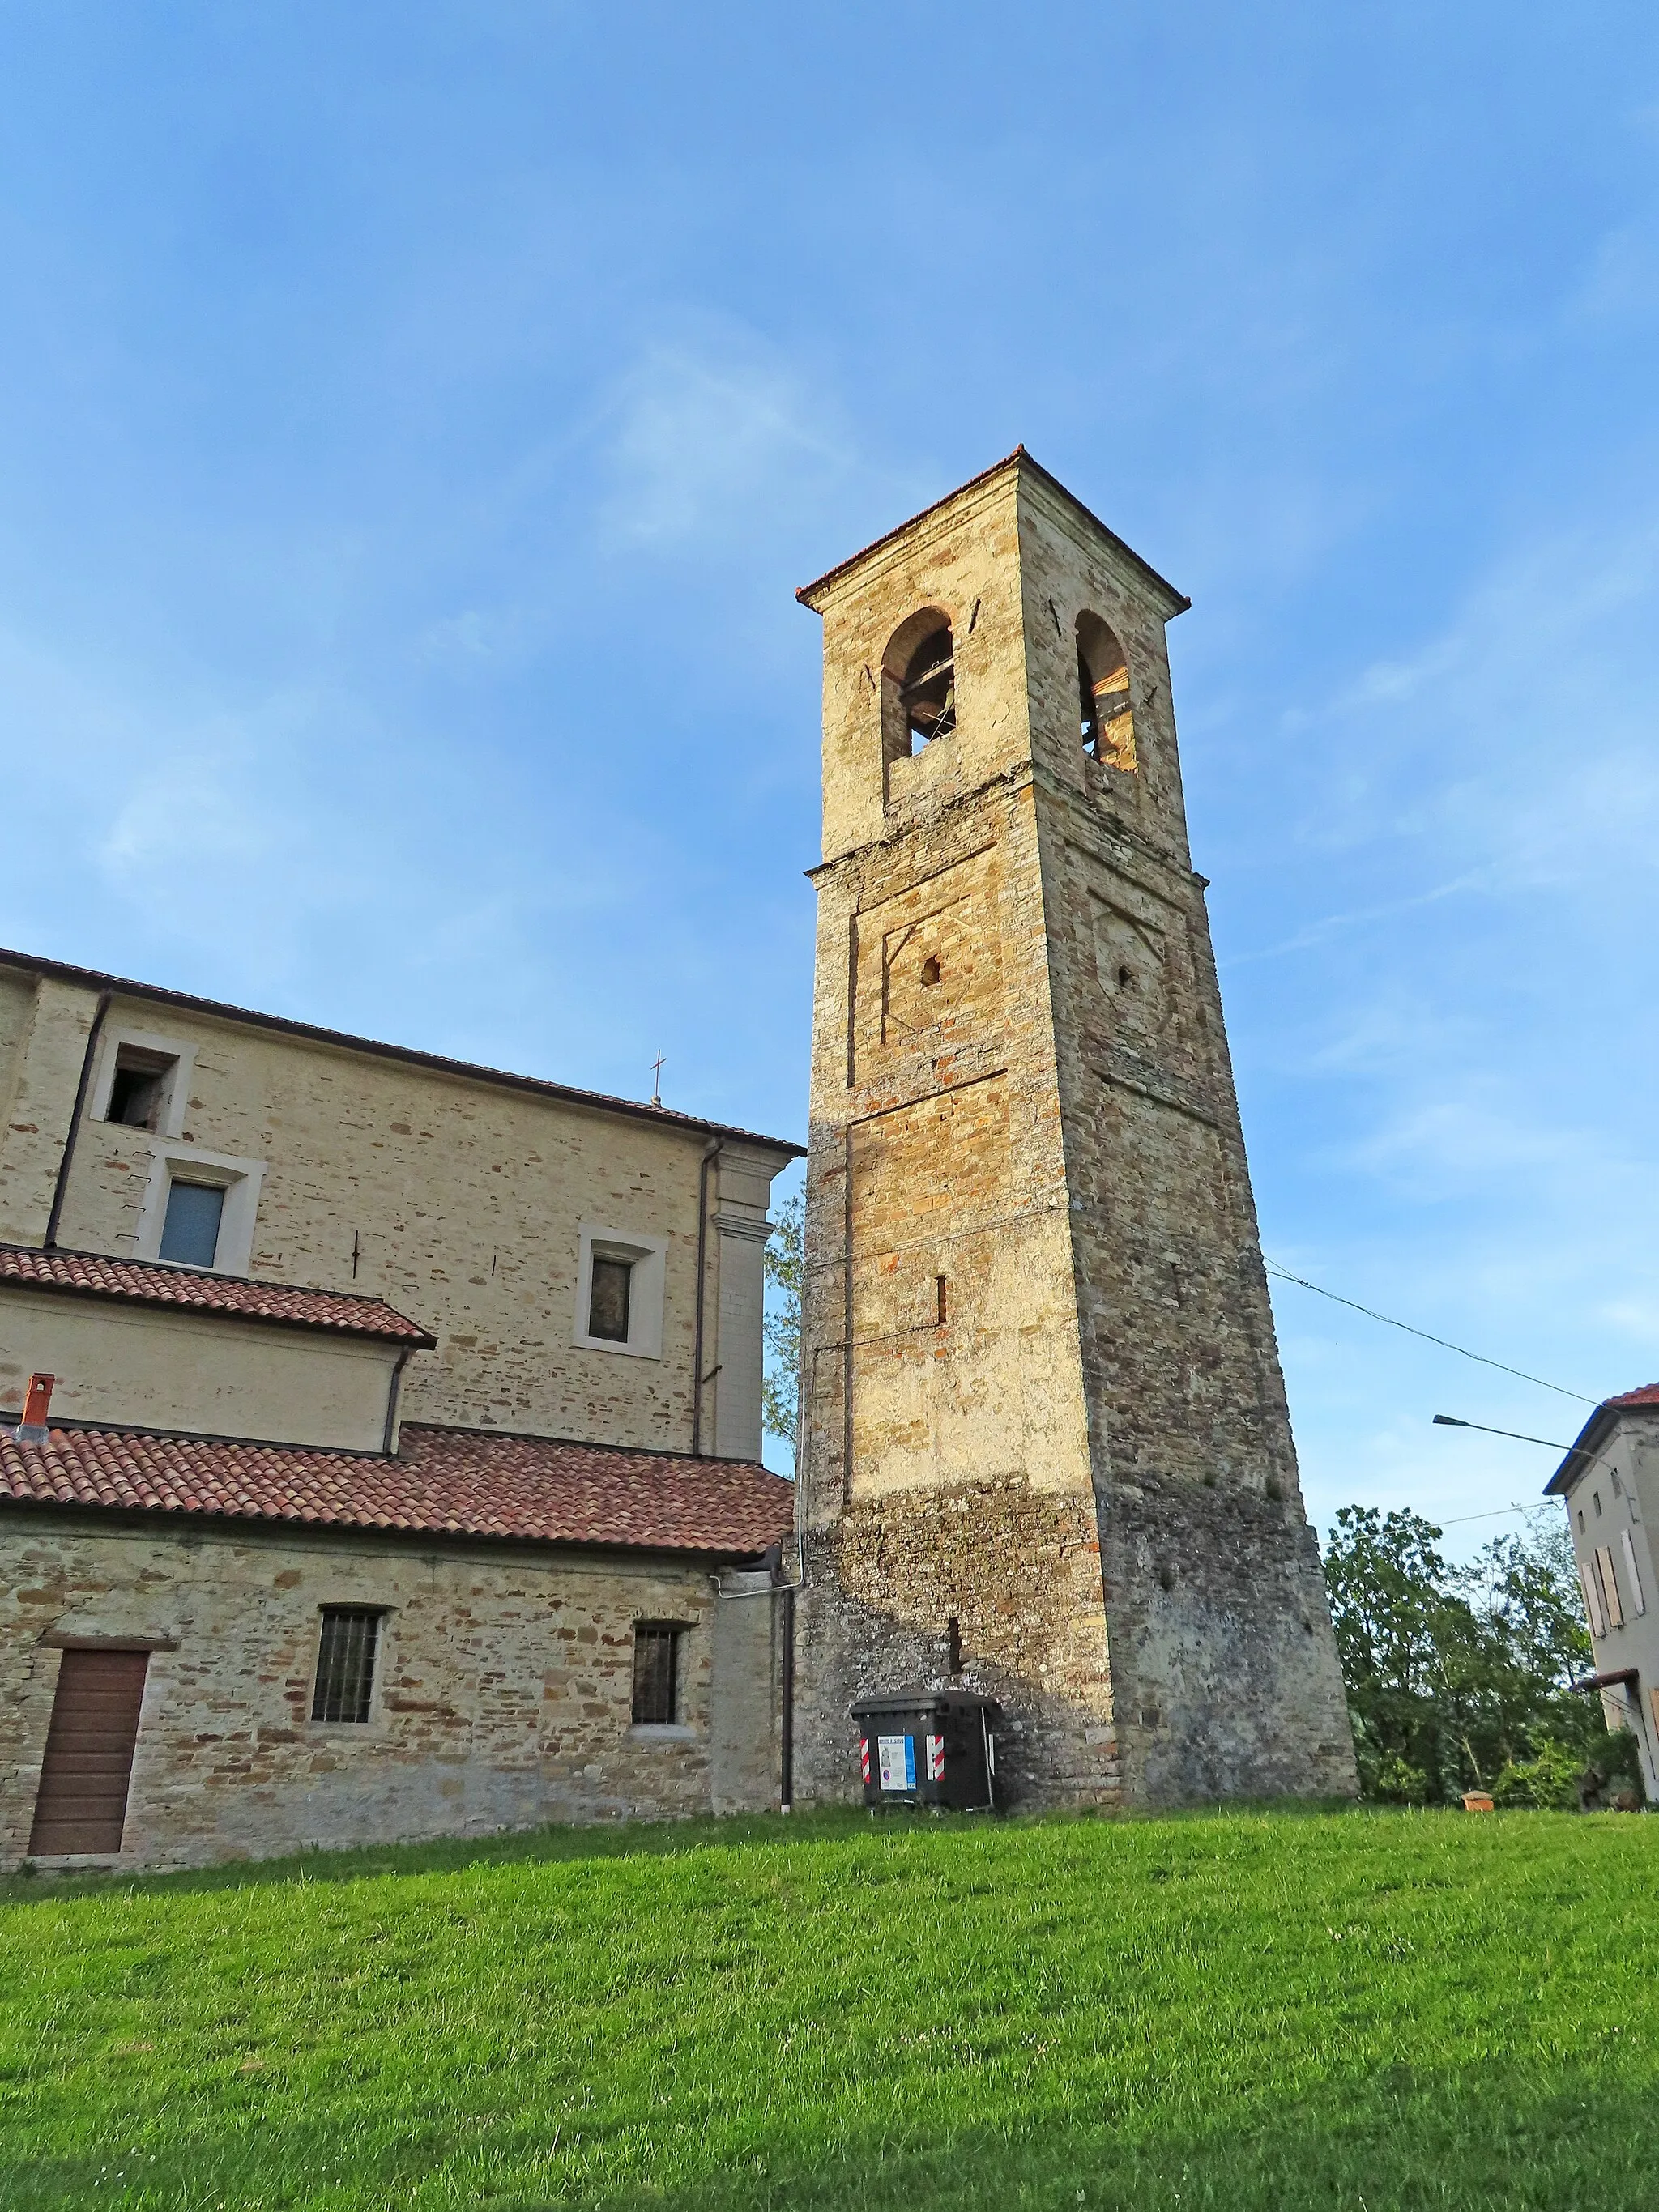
(149, 1283)
(454, 1482)
(1647, 1396)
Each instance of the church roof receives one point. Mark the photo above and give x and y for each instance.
(601, 1102)
(440, 1482)
(158, 1283)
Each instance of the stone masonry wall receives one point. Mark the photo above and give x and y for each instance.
(459, 1202)
(1107, 1365)
(503, 1689)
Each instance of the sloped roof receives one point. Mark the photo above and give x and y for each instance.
(151, 1283)
(1584, 1443)
(124, 987)
(441, 1482)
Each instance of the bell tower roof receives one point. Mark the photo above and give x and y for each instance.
(815, 594)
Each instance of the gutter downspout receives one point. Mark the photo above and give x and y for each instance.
(61, 1191)
(711, 1152)
(391, 1400)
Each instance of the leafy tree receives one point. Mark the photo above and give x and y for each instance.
(785, 1257)
(1457, 1677)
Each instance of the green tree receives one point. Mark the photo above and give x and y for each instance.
(785, 1257)
(1457, 1676)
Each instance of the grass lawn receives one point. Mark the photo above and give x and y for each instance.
(1232, 2010)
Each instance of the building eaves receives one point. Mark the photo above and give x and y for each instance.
(1584, 1444)
(597, 1100)
(164, 1284)
(810, 594)
(467, 1483)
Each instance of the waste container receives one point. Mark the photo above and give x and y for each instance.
(930, 1747)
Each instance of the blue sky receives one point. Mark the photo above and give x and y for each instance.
(414, 421)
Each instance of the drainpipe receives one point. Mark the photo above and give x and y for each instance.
(712, 1151)
(50, 1240)
(391, 1400)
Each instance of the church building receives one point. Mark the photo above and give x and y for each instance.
(381, 1434)
(382, 1442)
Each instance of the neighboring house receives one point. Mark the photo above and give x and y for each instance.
(401, 1470)
(1610, 1483)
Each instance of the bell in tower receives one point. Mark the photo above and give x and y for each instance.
(1045, 1453)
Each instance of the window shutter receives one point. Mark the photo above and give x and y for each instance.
(1598, 1619)
(1637, 1595)
(1609, 1585)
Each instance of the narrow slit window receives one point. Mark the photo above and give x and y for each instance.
(610, 1296)
(942, 1299)
(345, 1664)
(656, 1674)
(189, 1234)
(953, 1642)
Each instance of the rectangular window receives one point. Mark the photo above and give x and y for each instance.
(345, 1664)
(191, 1232)
(608, 1299)
(138, 1087)
(1638, 1596)
(656, 1674)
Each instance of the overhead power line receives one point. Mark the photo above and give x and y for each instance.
(1445, 1343)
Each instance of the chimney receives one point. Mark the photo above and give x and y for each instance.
(37, 1401)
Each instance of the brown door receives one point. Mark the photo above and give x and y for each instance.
(83, 1778)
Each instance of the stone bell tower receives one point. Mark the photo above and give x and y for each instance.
(1045, 1446)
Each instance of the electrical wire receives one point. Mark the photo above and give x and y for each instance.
(1445, 1343)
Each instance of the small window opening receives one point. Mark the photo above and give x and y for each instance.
(345, 1664)
(138, 1087)
(1125, 978)
(1595, 1500)
(656, 1674)
(608, 1298)
(930, 970)
(941, 1299)
(1618, 1487)
(953, 1643)
(189, 1234)
(1103, 706)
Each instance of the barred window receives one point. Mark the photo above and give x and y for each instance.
(345, 1664)
(656, 1673)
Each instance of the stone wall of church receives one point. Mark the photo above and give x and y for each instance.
(459, 1200)
(1087, 1462)
(502, 1695)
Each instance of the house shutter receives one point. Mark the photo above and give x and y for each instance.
(1609, 1585)
(1598, 1620)
(83, 1801)
(1638, 1596)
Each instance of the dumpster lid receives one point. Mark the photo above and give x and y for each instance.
(929, 1701)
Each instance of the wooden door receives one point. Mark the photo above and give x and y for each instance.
(83, 1778)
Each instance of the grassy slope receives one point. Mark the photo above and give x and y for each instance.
(1236, 2011)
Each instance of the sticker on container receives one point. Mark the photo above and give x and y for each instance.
(864, 1755)
(936, 1759)
(898, 1761)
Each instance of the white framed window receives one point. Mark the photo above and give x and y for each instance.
(199, 1210)
(143, 1080)
(619, 1290)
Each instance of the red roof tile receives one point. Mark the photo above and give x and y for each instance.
(461, 1482)
(1647, 1396)
(149, 1283)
